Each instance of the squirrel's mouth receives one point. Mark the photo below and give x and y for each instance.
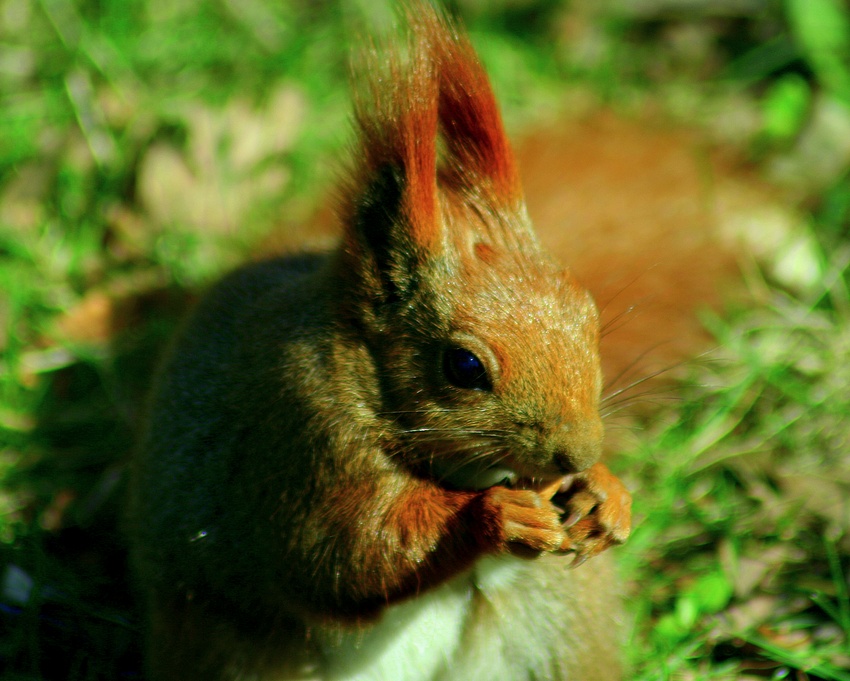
(479, 475)
(475, 475)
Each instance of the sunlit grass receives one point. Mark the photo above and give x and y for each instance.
(740, 550)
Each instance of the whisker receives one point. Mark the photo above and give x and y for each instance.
(605, 328)
(642, 379)
(655, 393)
(460, 438)
(490, 433)
(648, 397)
(632, 366)
(618, 321)
(627, 395)
(625, 404)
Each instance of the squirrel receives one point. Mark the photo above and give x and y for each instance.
(383, 461)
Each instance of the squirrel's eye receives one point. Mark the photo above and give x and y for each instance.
(465, 370)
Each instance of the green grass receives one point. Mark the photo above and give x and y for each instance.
(119, 119)
(742, 549)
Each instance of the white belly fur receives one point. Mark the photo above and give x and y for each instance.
(418, 639)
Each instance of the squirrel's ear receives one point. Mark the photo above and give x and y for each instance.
(381, 238)
(390, 205)
(412, 94)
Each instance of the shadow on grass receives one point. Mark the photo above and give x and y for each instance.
(67, 607)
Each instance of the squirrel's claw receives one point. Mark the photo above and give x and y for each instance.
(597, 512)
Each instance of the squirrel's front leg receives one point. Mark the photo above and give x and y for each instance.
(425, 534)
(455, 527)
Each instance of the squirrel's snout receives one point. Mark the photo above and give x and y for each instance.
(576, 447)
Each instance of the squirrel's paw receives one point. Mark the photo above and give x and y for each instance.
(530, 524)
(597, 512)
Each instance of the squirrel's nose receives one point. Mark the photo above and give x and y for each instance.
(577, 446)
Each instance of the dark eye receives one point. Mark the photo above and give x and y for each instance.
(465, 370)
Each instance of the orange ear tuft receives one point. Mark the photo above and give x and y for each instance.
(397, 123)
(431, 86)
(478, 150)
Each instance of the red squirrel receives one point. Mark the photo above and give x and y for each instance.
(382, 461)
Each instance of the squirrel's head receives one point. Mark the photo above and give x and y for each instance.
(485, 351)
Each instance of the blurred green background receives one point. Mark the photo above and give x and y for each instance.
(148, 145)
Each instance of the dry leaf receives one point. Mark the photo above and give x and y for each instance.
(226, 169)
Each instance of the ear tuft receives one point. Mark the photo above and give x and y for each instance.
(396, 119)
(413, 97)
(470, 121)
